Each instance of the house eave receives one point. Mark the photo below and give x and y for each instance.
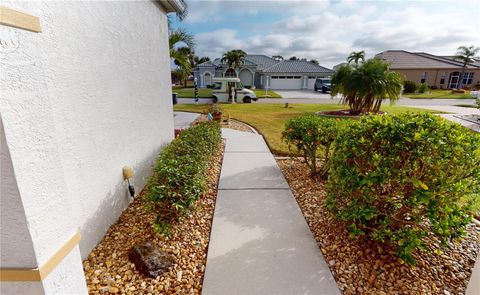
(177, 6)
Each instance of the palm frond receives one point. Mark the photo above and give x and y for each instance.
(181, 36)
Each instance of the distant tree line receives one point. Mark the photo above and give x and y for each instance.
(280, 58)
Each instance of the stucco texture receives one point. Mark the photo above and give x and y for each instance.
(86, 96)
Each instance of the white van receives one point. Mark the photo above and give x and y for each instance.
(220, 90)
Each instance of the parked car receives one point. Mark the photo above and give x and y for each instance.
(323, 84)
(220, 90)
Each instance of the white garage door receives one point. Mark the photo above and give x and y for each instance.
(286, 82)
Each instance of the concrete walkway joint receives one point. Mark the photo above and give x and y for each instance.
(260, 242)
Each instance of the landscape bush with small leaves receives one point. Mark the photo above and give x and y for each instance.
(406, 180)
(409, 87)
(178, 178)
(309, 134)
(422, 88)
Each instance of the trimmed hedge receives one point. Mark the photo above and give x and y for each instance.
(308, 134)
(404, 179)
(178, 178)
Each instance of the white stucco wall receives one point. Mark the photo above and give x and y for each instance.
(13, 222)
(86, 96)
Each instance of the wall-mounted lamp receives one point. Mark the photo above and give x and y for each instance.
(127, 174)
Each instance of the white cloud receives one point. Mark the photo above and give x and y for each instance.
(329, 31)
(204, 11)
(214, 44)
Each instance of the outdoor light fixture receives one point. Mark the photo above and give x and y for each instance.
(127, 174)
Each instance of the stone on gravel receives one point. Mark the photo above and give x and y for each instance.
(150, 260)
(108, 264)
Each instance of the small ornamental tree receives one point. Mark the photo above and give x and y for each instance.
(404, 179)
(308, 134)
(365, 86)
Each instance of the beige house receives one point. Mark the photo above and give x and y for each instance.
(440, 71)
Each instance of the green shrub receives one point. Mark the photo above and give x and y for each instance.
(422, 88)
(409, 87)
(401, 179)
(309, 133)
(178, 178)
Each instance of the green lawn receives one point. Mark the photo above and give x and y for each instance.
(207, 92)
(269, 119)
(271, 94)
(438, 93)
(190, 92)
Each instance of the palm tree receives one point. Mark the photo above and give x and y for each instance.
(183, 70)
(466, 55)
(234, 59)
(356, 56)
(364, 87)
(181, 56)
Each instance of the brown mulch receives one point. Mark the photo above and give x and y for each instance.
(346, 113)
(364, 267)
(108, 270)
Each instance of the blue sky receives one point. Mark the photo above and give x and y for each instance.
(329, 30)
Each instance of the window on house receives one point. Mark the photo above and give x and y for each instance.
(281, 77)
(442, 78)
(274, 77)
(312, 77)
(467, 78)
(454, 80)
(423, 77)
(297, 77)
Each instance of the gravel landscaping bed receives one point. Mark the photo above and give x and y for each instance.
(108, 270)
(364, 267)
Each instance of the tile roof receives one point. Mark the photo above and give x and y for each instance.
(262, 61)
(208, 63)
(217, 62)
(401, 59)
(269, 65)
(297, 66)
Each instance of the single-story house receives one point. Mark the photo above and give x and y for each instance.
(261, 71)
(438, 71)
(85, 90)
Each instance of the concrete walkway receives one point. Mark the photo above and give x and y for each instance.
(182, 120)
(456, 115)
(260, 242)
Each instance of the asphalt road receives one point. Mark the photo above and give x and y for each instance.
(310, 96)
